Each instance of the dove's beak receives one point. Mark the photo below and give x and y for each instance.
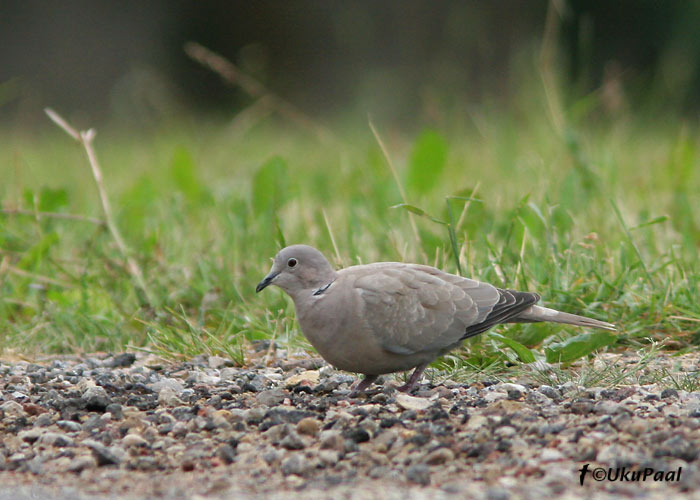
(266, 282)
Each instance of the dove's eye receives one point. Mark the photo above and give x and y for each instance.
(292, 262)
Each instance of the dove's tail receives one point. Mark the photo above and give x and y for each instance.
(535, 314)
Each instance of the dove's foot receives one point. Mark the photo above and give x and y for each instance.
(362, 385)
(414, 378)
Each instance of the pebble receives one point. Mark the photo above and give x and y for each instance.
(167, 396)
(293, 464)
(168, 383)
(582, 406)
(408, 402)
(419, 474)
(292, 441)
(104, 455)
(551, 455)
(309, 426)
(507, 386)
(606, 407)
(81, 463)
(69, 426)
(272, 397)
(328, 458)
(549, 391)
(55, 439)
(12, 409)
(669, 393)
(332, 440)
(505, 431)
(95, 398)
(30, 435)
(227, 453)
(134, 440)
(308, 377)
(439, 456)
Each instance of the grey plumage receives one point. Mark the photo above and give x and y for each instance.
(390, 316)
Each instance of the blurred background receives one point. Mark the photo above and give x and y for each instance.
(405, 61)
(538, 145)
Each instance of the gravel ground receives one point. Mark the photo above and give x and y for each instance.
(134, 426)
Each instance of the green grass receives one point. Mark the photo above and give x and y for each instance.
(601, 219)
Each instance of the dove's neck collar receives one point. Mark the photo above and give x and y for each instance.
(321, 290)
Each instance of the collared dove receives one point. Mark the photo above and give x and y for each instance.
(389, 316)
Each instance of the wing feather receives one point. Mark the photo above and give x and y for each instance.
(413, 308)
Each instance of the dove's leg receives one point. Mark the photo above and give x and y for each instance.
(365, 383)
(414, 378)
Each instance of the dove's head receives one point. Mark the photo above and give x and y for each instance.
(297, 268)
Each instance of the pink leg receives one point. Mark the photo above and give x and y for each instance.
(364, 383)
(414, 378)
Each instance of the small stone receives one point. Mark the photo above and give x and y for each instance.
(69, 425)
(272, 397)
(308, 377)
(412, 403)
(328, 457)
(94, 423)
(169, 397)
(419, 474)
(477, 422)
(537, 398)
(104, 455)
(550, 392)
(493, 396)
(385, 440)
(33, 409)
(134, 440)
(497, 493)
(180, 429)
(293, 464)
(582, 406)
(507, 386)
(254, 415)
(116, 410)
(55, 439)
(272, 456)
(171, 383)
(285, 415)
(309, 426)
(36, 466)
(255, 384)
(357, 434)
(606, 407)
(551, 455)
(218, 362)
(30, 435)
(19, 396)
(439, 456)
(81, 463)
(293, 441)
(678, 447)
(378, 472)
(514, 395)
(220, 419)
(332, 440)
(95, 398)
(669, 393)
(227, 453)
(122, 360)
(505, 431)
(43, 420)
(12, 409)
